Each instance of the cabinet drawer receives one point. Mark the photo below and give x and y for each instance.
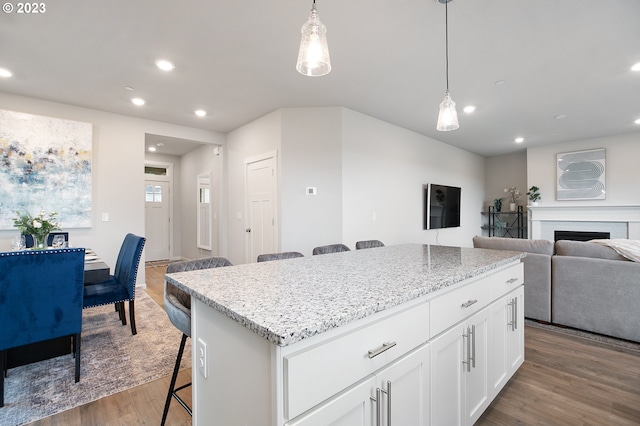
(316, 373)
(502, 282)
(458, 304)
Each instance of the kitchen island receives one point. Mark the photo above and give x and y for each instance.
(322, 339)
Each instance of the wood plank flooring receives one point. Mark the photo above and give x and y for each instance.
(564, 380)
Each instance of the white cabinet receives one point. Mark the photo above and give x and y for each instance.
(507, 338)
(396, 395)
(459, 372)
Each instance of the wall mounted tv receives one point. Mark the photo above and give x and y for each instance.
(441, 206)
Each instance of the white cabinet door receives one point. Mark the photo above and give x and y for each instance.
(446, 377)
(507, 339)
(475, 378)
(354, 407)
(459, 378)
(405, 395)
(515, 340)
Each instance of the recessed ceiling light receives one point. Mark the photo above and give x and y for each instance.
(499, 82)
(560, 117)
(637, 121)
(129, 88)
(636, 67)
(519, 140)
(165, 65)
(200, 112)
(152, 148)
(5, 73)
(469, 109)
(137, 101)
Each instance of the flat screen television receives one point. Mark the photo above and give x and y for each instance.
(441, 206)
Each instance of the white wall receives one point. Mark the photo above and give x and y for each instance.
(360, 166)
(118, 171)
(506, 171)
(622, 169)
(258, 137)
(311, 156)
(384, 168)
(194, 163)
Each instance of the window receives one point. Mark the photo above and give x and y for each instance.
(153, 193)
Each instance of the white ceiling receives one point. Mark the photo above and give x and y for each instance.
(236, 59)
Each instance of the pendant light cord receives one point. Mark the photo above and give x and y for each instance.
(446, 39)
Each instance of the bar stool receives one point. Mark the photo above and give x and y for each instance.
(279, 256)
(177, 304)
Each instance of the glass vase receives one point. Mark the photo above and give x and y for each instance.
(39, 241)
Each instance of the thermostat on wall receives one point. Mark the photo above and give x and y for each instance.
(311, 190)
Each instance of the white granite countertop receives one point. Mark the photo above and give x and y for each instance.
(286, 301)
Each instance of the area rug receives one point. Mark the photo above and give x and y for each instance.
(594, 337)
(113, 360)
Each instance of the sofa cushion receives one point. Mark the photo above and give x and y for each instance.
(515, 244)
(586, 249)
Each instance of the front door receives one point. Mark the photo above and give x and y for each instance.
(157, 220)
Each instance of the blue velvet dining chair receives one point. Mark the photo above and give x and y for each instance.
(41, 295)
(121, 286)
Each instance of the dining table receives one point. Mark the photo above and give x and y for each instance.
(95, 271)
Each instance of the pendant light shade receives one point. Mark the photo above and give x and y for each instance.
(313, 56)
(448, 116)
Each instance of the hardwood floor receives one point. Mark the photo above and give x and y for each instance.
(564, 380)
(568, 380)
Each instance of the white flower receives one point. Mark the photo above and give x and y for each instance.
(37, 224)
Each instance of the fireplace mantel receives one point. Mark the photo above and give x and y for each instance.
(541, 216)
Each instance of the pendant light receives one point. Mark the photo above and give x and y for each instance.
(448, 116)
(313, 56)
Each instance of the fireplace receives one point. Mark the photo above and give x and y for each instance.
(581, 235)
(620, 221)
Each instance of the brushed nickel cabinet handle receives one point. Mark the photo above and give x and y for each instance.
(469, 303)
(467, 336)
(473, 346)
(512, 280)
(385, 347)
(388, 392)
(376, 399)
(513, 318)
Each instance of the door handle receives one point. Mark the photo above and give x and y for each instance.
(247, 230)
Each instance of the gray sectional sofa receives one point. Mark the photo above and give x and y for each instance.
(577, 284)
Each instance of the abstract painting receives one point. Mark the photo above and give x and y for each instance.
(581, 175)
(45, 164)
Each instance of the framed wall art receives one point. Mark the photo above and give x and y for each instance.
(581, 175)
(45, 164)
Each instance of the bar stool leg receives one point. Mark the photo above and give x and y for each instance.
(172, 385)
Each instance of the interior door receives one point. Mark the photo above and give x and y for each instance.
(260, 182)
(157, 220)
